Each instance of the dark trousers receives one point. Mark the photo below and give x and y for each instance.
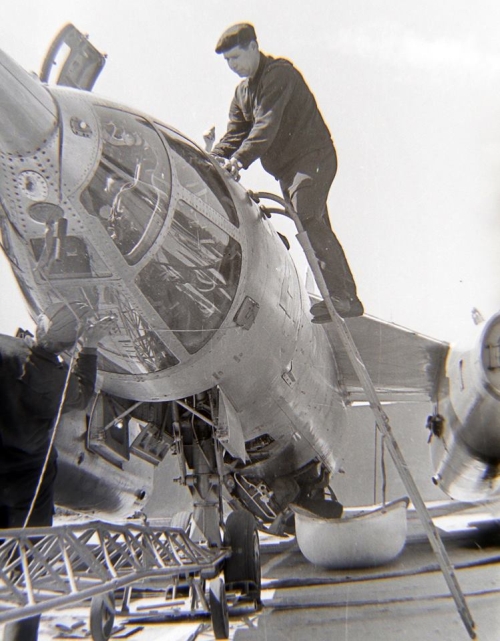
(16, 493)
(306, 185)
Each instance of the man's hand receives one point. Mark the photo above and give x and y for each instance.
(233, 166)
(219, 159)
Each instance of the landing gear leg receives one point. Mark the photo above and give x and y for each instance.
(204, 485)
(197, 449)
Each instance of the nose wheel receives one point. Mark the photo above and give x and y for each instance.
(242, 568)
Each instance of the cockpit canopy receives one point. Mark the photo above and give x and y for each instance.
(166, 208)
(168, 258)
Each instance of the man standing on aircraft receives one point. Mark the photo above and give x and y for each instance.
(34, 383)
(274, 117)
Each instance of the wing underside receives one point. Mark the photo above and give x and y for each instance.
(403, 365)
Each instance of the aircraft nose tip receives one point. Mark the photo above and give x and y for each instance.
(28, 114)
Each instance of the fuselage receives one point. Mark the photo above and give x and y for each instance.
(108, 206)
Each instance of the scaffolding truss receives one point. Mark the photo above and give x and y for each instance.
(47, 568)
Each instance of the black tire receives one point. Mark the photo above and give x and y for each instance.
(102, 616)
(218, 608)
(242, 568)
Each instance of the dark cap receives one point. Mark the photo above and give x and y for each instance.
(239, 35)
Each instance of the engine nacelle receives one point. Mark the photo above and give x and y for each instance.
(465, 431)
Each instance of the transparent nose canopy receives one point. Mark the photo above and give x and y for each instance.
(131, 188)
(167, 210)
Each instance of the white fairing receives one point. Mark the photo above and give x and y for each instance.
(362, 537)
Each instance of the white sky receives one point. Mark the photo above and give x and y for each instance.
(410, 90)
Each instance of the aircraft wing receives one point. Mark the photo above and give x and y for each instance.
(403, 365)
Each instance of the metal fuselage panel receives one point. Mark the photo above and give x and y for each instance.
(89, 484)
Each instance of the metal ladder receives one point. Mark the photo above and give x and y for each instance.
(381, 417)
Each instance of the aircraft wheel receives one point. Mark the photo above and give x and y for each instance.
(242, 568)
(102, 616)
(218, 608)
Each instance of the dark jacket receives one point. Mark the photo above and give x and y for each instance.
(274, 117)
(31, 387)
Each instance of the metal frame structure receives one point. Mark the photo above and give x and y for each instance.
(47, 568)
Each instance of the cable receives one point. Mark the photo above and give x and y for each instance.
(53, 435)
